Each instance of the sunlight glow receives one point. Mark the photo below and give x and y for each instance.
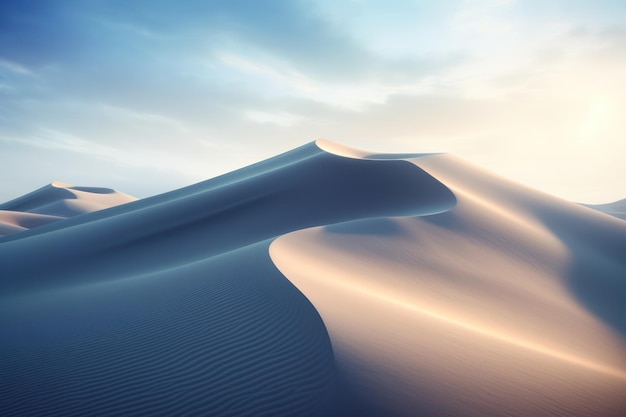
(598, 122)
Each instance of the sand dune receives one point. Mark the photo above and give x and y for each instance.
(615, 209)
(506, 304)
(324, 281)
(53, 202)
(16, 221)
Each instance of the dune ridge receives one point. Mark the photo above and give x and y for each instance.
(324, 281)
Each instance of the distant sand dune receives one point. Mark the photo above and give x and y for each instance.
(615, 209)
(53, 202)
(324, 281)
(26, 220)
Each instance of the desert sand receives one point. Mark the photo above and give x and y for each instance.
(324, 281)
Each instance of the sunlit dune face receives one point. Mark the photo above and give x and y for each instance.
(410, 328)
(466, 312)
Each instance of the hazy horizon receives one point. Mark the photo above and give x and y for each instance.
(153, 96)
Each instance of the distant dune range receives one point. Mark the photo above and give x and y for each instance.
(324, 281)
(53, 202)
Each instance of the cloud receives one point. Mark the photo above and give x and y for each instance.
(15, 67)
(156, 86)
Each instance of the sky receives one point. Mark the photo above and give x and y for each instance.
(149, 96)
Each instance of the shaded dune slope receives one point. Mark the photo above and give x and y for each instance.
(223, 336)
(508, 303)
(172, 305)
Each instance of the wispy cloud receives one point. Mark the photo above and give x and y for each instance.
(204, 87)
(15, 67)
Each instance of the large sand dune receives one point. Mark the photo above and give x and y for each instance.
(324, 281)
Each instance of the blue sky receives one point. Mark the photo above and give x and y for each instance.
(148, 96)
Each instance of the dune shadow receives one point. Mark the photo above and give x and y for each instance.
(596, 275)
(93, 190)
(226, 336)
